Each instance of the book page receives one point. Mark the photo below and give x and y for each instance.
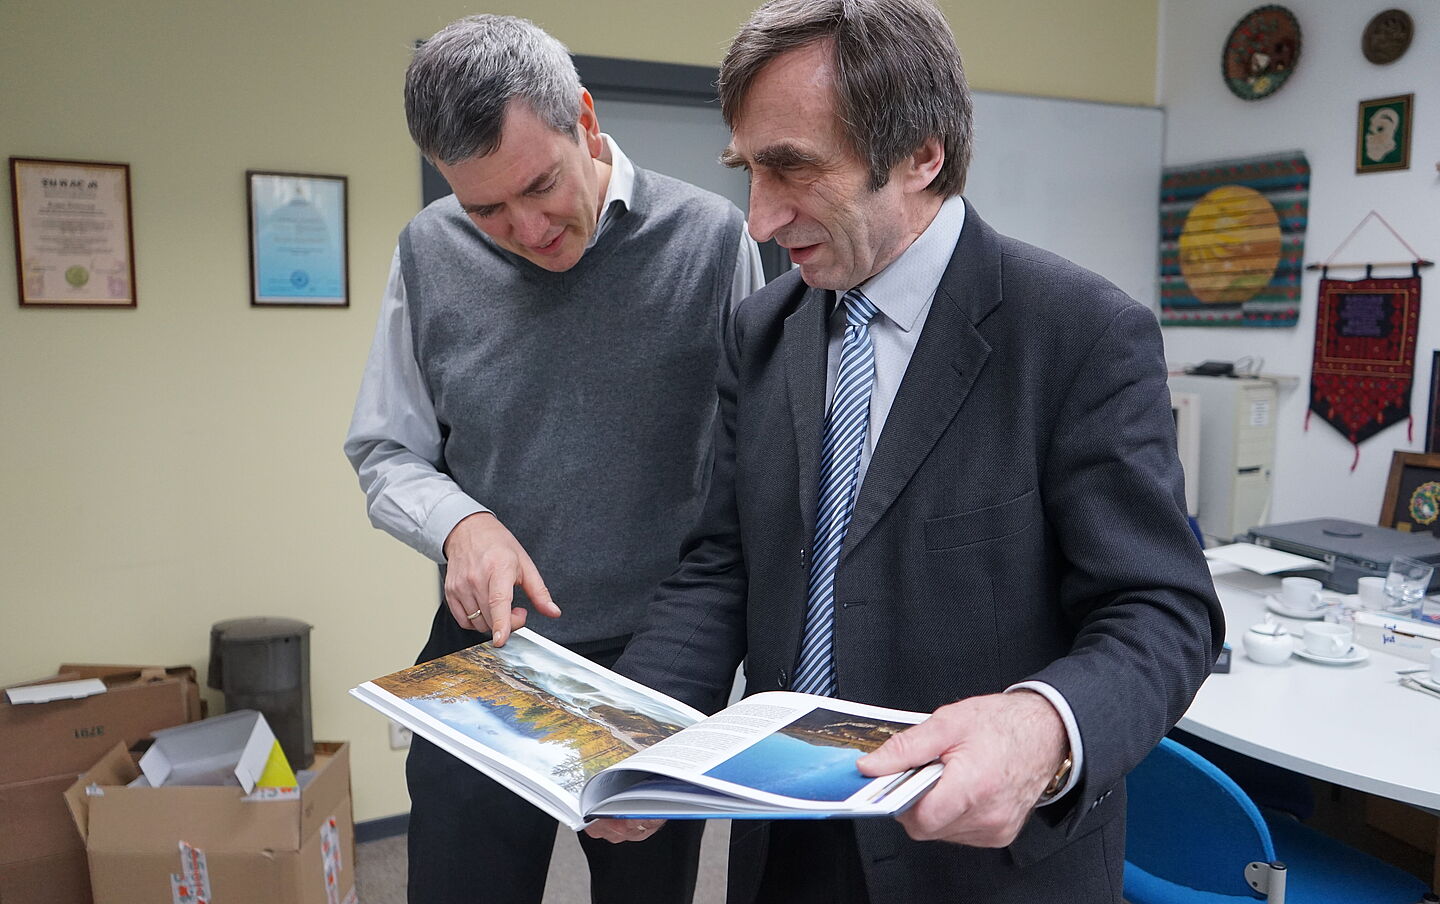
(779, 749)
(530, 785)
(530, 709)
(1261, 559)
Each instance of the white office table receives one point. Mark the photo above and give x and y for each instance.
(1352, 725)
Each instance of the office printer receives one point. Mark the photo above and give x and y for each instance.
(1349, 549)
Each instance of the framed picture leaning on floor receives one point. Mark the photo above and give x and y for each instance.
(1412, 494)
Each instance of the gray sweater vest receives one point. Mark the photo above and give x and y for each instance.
(578, 406)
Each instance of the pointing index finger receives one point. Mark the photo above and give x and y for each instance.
(498, 602)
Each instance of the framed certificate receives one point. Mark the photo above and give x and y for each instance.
(74, 244)
(298, 240)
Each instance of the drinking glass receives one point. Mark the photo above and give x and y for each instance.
(1407, 582)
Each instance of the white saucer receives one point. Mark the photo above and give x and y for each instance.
(1277, 605)
(1357, 653)
(1425, 681)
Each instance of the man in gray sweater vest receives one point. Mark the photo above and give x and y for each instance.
(538, 401)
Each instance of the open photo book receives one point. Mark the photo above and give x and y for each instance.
(579, 741)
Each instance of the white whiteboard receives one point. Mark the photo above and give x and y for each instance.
(680, 141)
(1076, 178)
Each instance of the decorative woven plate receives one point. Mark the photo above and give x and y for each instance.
(1387, 37)
(1261, 52)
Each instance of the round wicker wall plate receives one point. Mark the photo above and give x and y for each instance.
(1387, 37)
(1261, 52)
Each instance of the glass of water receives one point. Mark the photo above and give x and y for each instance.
(1407, 582)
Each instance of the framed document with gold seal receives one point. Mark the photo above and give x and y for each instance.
(74, 243)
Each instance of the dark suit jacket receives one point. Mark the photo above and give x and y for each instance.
(1022, 518)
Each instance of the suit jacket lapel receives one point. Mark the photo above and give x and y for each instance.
(947, 360)
(805, 346)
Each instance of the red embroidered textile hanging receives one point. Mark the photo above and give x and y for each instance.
(1365, 354)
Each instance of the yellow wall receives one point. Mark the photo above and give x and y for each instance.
(166, 467)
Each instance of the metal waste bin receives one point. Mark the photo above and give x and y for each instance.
(264, 664)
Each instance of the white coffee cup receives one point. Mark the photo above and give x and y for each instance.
(1372, 593)
(1327, 639)
(1301, 593)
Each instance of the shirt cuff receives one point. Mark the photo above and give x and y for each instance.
(1072, 731)
(449, 512)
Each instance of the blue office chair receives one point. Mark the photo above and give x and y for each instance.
(1268, 786)
(1193, 837)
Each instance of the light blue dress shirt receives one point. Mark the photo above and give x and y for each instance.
(903, 293)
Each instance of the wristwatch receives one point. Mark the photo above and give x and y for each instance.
(1062, 775)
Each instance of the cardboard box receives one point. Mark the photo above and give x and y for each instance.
(155, 844)
(44, 746)
(62, 878)
(232, 749)
(42, 859)
(36, 822)
(46, 739)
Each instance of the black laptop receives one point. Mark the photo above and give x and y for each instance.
(1351, 550)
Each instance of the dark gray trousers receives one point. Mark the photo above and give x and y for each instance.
(474, 842)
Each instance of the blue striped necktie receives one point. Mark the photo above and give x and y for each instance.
(845, 431)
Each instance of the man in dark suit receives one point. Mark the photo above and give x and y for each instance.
(945, 471)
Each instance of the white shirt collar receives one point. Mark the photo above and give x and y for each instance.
(621, 188)
(903, 290)
(622, 174)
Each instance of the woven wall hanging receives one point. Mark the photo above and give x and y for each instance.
(1365, 332)
(1232, 241)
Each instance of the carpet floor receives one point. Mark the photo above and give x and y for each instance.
(380, 869)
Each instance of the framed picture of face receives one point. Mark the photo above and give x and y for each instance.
(1412, 495)
(1382, 134)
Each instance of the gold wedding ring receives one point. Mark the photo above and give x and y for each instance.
(471, 616)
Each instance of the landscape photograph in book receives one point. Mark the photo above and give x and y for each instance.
(539, 709)
(812, 758)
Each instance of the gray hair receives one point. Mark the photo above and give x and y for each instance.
(899, 80)
(462, 80)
